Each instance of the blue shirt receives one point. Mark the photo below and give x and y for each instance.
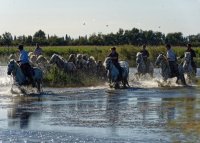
(171, 55)
(23, 57)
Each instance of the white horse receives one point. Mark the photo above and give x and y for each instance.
(142, 68)
(72, 58)
(101, 70)
(30, 53)
(33, 59)
(166, 73)
(62, 64)
(91, 65)
(80, 62)
(187, 66)
(113, 73)
(20, 79)
(13, 56)
(42, 63)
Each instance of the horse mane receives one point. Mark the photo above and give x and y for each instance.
(187, 54)
(58, 60)
(79, 56)
(92, 59)
(33, 57)
(164, 57)
(85, 57)
(41, 58)
(30, 54)
(138, 53)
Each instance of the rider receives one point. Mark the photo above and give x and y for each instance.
(24, 64)
(192, 52)
(172, 60)
(38, 50)
(114, 57)
(145, 55)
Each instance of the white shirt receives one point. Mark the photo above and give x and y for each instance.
(171, 55)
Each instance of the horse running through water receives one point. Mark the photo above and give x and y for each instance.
(19, 77)
(62, 64)
(166, 73)
(142, 68)
(187, 66)
(113, 73)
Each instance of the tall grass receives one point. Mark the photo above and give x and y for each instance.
(58, 78)
(126, 52)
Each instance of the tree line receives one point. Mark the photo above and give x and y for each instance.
(122, 37)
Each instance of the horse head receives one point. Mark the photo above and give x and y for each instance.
(107, 63)
(33, 58)
(79, 56)
(30, 54)
(41, 59)
(159, 59)
(72, 58)
(85, 57)
(139, 58)
(12, 56)
(11, 66)
(58, 60)
(53, 59)
(187, 57)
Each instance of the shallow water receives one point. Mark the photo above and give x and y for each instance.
(143, 113)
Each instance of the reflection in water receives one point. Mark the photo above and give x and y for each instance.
(143, 106)
(20, 113)
(167, 109)
(112, 110)
(135, 115)
(183, 116)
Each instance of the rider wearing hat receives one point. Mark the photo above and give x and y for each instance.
(114, 57)
(24, 64)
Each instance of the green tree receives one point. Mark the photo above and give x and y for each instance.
(175, 38)
(7, 39)
(40, 37)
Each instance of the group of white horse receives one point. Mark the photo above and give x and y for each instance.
(184, 67)
(74, 64)
(88, 64)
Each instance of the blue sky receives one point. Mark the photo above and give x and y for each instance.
(62, 17)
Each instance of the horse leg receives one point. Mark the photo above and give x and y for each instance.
(38, 86)
(127, 83)
(116, 86)
(183, 80)
(124, 83)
